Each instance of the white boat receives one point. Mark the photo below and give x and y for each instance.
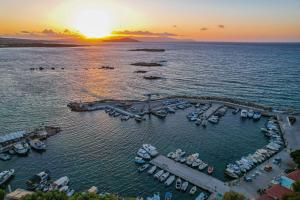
(158, 174)
(250, 113)
(37, 179)
(213, 119)
(170, 155)
(257, 115)
(230, 173)
(61, 182)
(191, 158)
(5, 157)
(152, 170)
(37, 145)
(202, 166)
(139, 160)
(70, 192)
(163, 177)
(178, 184)
(197, 162)
(6, 175)
(170, 180)
(21, 148)
(150, 149)
(143, 168)
(193, 190)
(143, 154)
(184, 186)
(204, 123)
(244, 113)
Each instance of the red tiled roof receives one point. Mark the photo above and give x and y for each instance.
(277, 191)
(264, 197)
(295, 175)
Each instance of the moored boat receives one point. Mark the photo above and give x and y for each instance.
(150, 149)
(143, 168)
(163, 177)
(139, 160)
(143, 154)
(38, 179)
(152, 170)
(210, 170)
(6, 175)
(21, 148)
(168, 196)
(5, 157)
(178, 184)
(37, 145)
(244, 113)
(250, 113)
(170, 180)
(61, 182)
(193, 190)
(201, 196)
(184, 186)
(158, 174)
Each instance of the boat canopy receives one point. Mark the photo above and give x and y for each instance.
(12, 136)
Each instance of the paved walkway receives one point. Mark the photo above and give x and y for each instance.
(189, 174)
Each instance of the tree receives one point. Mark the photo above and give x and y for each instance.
(53, 195)
(2, 194)
(296, 157)
(233, 196)
(292, 196)
(296, 186)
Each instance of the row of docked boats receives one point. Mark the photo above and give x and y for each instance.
(168, 179)
(145, 153)
(22, 148)
(235, 170)
(41, 182)
(114, 113)
(250, 114)
(192, 160)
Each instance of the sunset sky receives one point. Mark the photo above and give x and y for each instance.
(200, 20)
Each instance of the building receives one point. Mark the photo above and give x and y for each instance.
(278, 191)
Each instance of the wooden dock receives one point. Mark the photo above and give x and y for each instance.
(212, 110)
(189, 174)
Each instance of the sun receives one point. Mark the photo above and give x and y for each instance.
(92, 23)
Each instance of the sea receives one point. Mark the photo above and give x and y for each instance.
(96, 149)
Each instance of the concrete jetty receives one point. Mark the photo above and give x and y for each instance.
(212, 110)
(120, 111)
(189, 174)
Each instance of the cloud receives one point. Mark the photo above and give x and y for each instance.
(204, 29)
(50, 34)
(221, 26)
(144, 33)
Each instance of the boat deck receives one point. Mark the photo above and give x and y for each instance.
(189, 174)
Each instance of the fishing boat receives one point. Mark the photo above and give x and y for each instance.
(143, 154)
(210, 170)
(150, 149)
(125, 118)
(21, 148)
(256, 116)
(197, 162)
(143, 168)
(213, 119)
(168, 196)
(178, 184)
(236, 111)
(204, 123)
(201, 196)
(184, 186)
(182, 160)
(37, 145)
(5, 156)
(244, 113)
(139, 160)
(6, 175)
(158, 174)
(163, 177)
(152, 170)
(61, 182)
(171, 154)
(193, 190)
(202, 166)
(37, 179)
(230, 173)
(170, 180)
(250, 114)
